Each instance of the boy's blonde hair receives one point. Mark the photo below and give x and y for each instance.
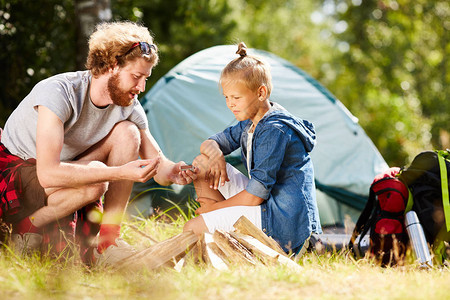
(111, 41)
(251, 70)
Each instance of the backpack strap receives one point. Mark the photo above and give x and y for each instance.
(444, 187)
(362, 223)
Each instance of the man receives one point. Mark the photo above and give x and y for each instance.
(86, 131)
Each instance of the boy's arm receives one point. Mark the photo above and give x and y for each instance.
(168, 171)
(52, 173)
(243, 198)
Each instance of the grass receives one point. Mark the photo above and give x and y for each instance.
(328, 276)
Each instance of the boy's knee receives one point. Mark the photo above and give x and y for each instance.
(197, 225)
(201, 162)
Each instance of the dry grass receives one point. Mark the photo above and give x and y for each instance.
(329, 276)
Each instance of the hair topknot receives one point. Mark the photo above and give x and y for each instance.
(242, 49)
(251, 70)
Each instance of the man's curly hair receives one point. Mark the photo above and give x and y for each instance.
(111, 40)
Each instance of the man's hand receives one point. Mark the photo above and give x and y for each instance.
(178, 176)
(141, 170)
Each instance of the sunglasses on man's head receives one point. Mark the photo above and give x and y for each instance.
(145, 47)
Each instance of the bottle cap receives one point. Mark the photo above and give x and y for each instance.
(411, 218)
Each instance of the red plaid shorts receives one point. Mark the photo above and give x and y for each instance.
(21, 195)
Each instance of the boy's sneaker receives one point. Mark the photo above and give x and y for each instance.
(27, 243)
(113, 254)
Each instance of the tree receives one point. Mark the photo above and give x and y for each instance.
(386, 60)
(180, 27)
(394, 74)
(88, 13)
(37, 40)
(283, 27)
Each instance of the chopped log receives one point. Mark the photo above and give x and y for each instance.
(203, 250)
(261, 254)
(264, 252)
(212, 253)
(180, 264)
(234, 251)
(161, 253)
(244, 226)
(195, 254)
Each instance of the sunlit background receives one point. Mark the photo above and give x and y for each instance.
(386, 60)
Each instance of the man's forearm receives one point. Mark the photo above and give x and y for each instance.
(164, 172)
(85, 173)
(76, 174)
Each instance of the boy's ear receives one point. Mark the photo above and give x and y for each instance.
(262, 93)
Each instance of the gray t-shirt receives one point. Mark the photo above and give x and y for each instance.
(67, 95)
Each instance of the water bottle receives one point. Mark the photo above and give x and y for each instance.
(417, 240)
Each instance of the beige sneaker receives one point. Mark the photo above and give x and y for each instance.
(26, 243)
(114, 254)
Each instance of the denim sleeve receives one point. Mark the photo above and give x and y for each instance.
(229, 139)
(268, 153)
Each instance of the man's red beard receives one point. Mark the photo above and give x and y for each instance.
(118, 96)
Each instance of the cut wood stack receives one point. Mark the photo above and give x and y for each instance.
(246, 245)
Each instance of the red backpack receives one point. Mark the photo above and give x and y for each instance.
(383, 215)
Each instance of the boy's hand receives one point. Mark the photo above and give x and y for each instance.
(217, 172)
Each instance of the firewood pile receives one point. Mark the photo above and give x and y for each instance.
(247, 244)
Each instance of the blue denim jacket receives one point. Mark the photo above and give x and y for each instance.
(281, 173)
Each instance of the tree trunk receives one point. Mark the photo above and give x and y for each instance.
(88, 14)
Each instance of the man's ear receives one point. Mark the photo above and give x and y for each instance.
(114, 68)
(262, 93)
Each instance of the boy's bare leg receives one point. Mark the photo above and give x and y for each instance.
(197, 224)
(202, 188)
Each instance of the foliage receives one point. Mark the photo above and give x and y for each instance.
(283, 27)
(37, 41)
(394, 75)
(181, 27)
(386, 60)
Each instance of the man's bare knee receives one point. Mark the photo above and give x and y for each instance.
(124, 141)
(94, 163)
(126, 132)
(93, 192)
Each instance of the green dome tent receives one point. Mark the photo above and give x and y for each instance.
(186, 106)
